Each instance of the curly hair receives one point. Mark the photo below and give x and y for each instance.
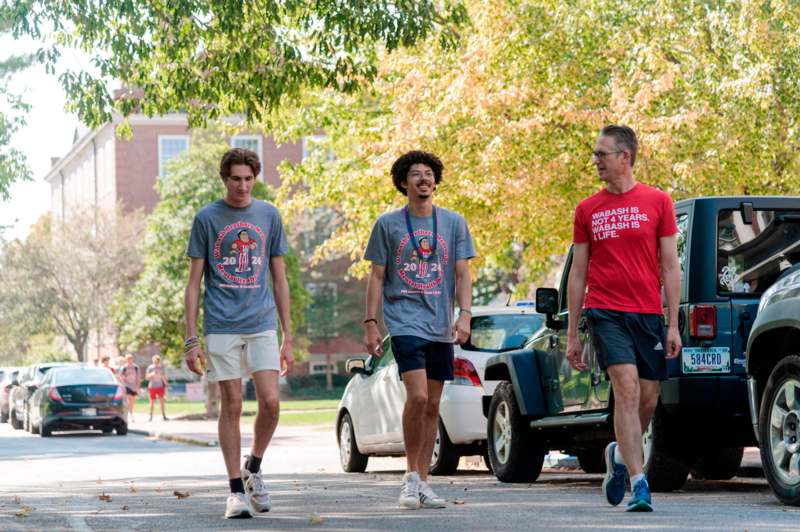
(402, 165)
(239, 156)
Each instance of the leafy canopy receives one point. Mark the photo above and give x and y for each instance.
(214, 59)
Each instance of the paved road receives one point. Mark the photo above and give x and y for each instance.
(57, 484)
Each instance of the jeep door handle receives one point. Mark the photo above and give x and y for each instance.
(554, 341)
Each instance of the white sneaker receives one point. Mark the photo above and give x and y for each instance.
(256, 491)
(409, 495)
(237, 507)
(427, 498)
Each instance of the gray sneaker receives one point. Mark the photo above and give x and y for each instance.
(427, 498)
(409, 494)
(256, 491)
(237, 507)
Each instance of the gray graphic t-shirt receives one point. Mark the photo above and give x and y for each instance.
(237, 244)
(419, 283)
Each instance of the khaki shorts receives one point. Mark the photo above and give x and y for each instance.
(233, 356)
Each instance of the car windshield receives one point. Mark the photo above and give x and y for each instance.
(500, 332)
(750, 257)
(68, 376)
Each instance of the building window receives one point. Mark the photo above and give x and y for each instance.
(317, 146)
(169, 148)
(250, 142)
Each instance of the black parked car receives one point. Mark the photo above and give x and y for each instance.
(78, 398)
(6, 379)
(22, 388)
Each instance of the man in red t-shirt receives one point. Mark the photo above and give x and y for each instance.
(625, 242)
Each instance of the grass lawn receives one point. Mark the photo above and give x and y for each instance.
(311, 410)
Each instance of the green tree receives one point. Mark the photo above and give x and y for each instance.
(153, 309)
(62, 278)
(13, 166)
(215, 59)
(514, 109)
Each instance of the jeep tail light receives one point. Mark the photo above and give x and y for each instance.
(464, 373)
(702, 321)
(54, 395)
(120, 394)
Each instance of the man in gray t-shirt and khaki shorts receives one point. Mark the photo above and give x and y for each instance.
(237, 243)
(420, 264)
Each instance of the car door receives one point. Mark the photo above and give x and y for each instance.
(389, 398)
(35, 403)
(575, 385)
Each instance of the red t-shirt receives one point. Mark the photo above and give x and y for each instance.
(623, 232)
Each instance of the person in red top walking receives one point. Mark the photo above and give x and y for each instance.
(625, 243)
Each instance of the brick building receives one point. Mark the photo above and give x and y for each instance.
(101, 170)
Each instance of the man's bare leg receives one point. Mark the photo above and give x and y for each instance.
(230, 438)
(416, 383)
(429, 424)
(627, 423)
(267, 393)
(648, 400)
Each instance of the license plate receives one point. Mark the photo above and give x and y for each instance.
(88, 412)
(706, 359)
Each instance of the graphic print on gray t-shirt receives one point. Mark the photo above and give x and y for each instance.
(419, 288)
(237, 244)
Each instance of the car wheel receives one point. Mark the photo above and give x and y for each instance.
(486, 460)
(513, 452)
(122, 429)
(592, 460)
(350, 458)
(779, 430)
(664, 461)
(35, 429)
(15, 422)
(46, 431)
(718, 464)
(445, 456)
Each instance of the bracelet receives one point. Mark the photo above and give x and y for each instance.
(369, 320)
(191, 340)
(464, 310)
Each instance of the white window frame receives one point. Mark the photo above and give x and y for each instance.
(168, 137)
(260, 151)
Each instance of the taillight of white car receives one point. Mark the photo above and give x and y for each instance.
(464, 373)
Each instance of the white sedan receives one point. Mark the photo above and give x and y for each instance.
(369, 420)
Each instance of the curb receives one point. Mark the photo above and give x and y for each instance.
(174, 438)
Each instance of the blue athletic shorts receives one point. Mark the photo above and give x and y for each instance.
(413, 352)
(629, 338)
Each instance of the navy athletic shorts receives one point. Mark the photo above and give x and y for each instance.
(629, 338)
(413, 352)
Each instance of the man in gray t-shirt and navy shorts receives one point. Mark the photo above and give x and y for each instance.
(237, 244)
(420, 267)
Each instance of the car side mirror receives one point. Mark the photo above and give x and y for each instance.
(355, 366)
(547, 304)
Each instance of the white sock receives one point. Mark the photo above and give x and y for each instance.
(637, 478)
(618, 455)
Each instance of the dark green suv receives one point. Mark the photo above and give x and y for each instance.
(731, 249)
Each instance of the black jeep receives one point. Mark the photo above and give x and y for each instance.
(702, 422)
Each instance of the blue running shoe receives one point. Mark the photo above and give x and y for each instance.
(614, 483)
(640, 500)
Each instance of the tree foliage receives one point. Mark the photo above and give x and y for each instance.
(215, 59)
(153, 309)
(513, 111)
(57, 280)
(13, 164)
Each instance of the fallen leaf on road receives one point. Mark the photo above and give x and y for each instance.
(458, 502)
(99, 480)
(315, 519)
(158, 489)
(181, 494)
(133, 488)
(24, 511)
(17, 500)
(124, 508)
(105, 497)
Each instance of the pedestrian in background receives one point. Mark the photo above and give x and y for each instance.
(420, 265)
(132, 380)
(157, 383)
(237, 243)
(625, 239)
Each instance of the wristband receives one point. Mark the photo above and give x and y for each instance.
(468, 311)
(369, 320)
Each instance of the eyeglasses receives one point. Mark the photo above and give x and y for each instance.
(600, 155)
